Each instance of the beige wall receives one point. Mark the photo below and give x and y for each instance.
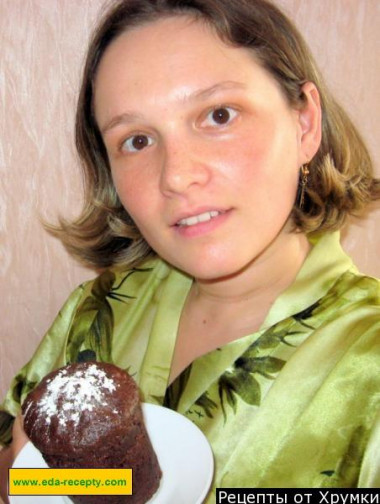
(42, 44)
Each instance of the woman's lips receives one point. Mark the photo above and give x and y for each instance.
(196, 219)
(201, 223)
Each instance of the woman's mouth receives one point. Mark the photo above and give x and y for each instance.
(202, 223)
(196, 219)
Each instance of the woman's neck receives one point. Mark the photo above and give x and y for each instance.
(250, 293)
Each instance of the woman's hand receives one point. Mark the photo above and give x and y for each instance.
(8, 455)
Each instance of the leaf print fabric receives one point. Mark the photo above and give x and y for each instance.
(241, 380)
(90, 336)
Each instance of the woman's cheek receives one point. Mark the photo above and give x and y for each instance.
(135, 193)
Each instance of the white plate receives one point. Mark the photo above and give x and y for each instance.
(183, 452)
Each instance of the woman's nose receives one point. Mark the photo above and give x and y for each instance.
(182, 169)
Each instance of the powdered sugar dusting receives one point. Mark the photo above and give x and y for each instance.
(82, 391)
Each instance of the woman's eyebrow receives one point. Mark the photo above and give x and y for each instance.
(220, 86)
(124, 118)
(202, 94)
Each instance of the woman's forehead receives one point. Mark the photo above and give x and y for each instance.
(166, 37)
(174, 58)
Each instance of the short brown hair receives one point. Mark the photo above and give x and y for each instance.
(341, 178)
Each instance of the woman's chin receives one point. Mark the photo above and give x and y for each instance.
(211, 270)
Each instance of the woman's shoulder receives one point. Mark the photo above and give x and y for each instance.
(335, 280)
(353, 290)
(350, 312)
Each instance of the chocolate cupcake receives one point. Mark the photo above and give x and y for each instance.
(88, 415)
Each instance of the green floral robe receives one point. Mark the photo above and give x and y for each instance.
(294, 405)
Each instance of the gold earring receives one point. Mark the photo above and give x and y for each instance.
(303, 183)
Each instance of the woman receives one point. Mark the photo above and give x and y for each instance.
(219, 170)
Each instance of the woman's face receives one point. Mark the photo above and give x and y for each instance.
(204, 150)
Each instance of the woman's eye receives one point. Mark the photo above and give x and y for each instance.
(221, 116)
(137, 143)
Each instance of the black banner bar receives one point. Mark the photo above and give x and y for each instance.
(297, 496)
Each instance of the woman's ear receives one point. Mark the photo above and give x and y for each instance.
(310, 121)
